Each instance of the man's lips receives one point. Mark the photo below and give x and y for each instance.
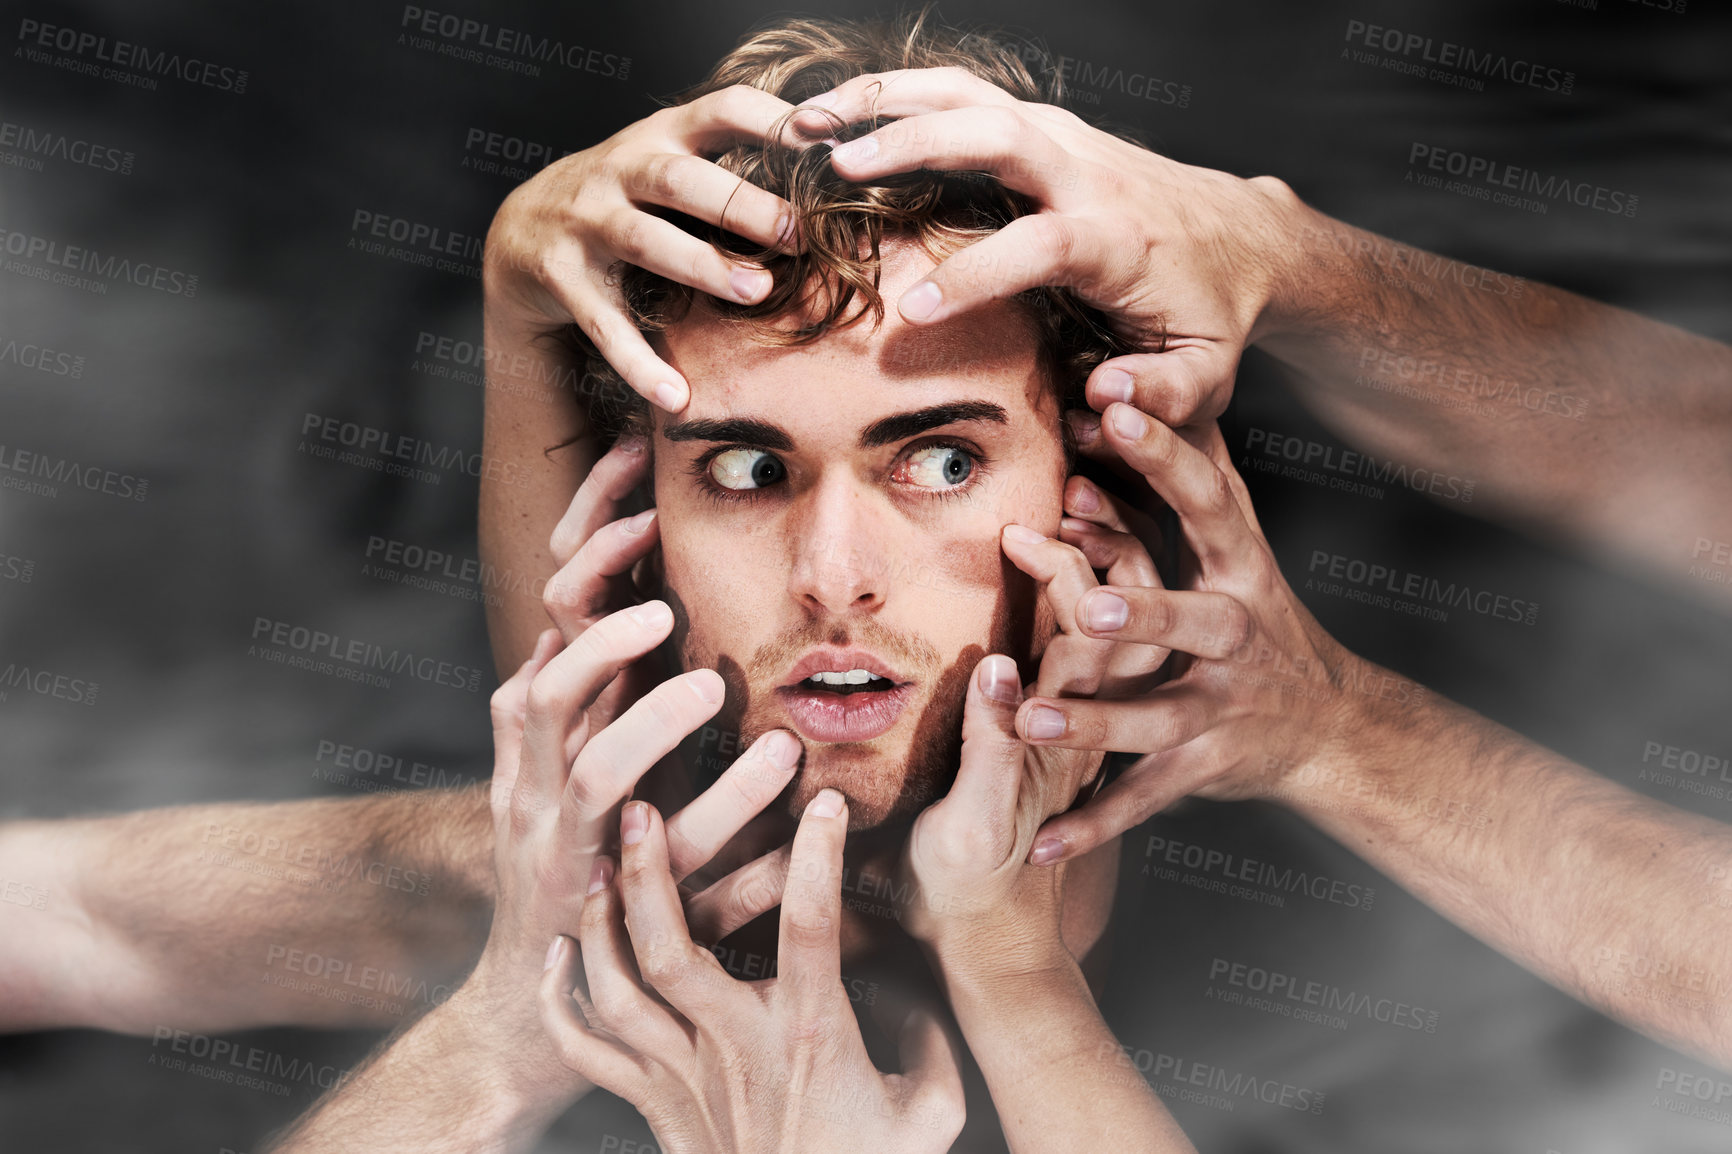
(843, 713)
(829, 659)
(820, 714)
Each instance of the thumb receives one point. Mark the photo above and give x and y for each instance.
(987, 780)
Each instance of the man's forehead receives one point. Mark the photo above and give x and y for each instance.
(993, 345)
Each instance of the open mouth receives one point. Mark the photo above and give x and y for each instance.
(843, 696)
(844, 684)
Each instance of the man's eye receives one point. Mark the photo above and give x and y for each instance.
(937, 467)
(745, 469)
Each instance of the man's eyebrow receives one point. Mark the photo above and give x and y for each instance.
(744, 431)
(901, 426)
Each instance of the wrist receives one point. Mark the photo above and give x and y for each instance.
(494, 1022)
(986, 959)
(1288, 231)
(1346, 767)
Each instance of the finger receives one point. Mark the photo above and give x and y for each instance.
(709, 192)
(1125, 559)
(1073, 663)
(508, 706)
(698, 831)
(614, 759)
(1128, 565)
(1147, 788)
(666, 249)
(931, 1069)
(1162, 719)
(615, 336)
(602, 1060)
(997, 139)
(622, 1006)
(1207, 439)
(743, 896)
(1043, 248)
(611, 479)
(977, 818)
(561, 692)
(734, 115)
(1190, 483)
(676, 967)
(897, 93)
(588, 587)
(1209, 625)
(809, 961)
(1087, 501)
(1182, 385)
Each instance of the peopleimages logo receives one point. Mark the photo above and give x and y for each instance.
(1411, 53)
(39, 39)
(1496, 175)
(480, 42)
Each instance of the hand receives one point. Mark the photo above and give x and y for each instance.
(1185, 261)
(1259, 689)
(558, 781)
(598, 559)
(724, 1065)
(557, 237)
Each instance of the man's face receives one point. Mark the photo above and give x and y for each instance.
(830, 518)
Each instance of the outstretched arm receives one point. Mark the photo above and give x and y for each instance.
(1586, 421)
(225, 917)
(1619, 901)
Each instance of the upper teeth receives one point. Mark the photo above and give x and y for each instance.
(852, 677)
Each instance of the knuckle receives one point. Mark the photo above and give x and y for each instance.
(1238, 627)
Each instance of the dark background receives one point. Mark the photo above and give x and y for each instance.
(255, 193)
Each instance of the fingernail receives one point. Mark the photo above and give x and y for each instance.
(637, 524)
(856, 151)
(782, 749)
(748, 285)
(1045, 850)
(633, 823)
(921, 301)
(998, 680)
(707, 689)
(600, 873)
(1023, 535)
(828, 803)
(785, 230)
(553, 949)
(1115, 385)
(668, 396)
(1044, 724)
(632, 446)
(1085, 499)
(652, 614)
(1105, 611)
(1129, 423)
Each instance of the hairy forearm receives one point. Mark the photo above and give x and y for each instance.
(452, 1083)
(1058, 1077)
(1582, 419)
(1618, 900)
(219, 917)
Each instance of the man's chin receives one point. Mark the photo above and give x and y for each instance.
(874, 802)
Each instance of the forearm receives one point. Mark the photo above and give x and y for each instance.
(218, 917)
(1618, 900)
(532, 404)
(1058, 1077)
(451, 1084)
(1581, 418)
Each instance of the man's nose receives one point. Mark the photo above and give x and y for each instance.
(839, 538)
